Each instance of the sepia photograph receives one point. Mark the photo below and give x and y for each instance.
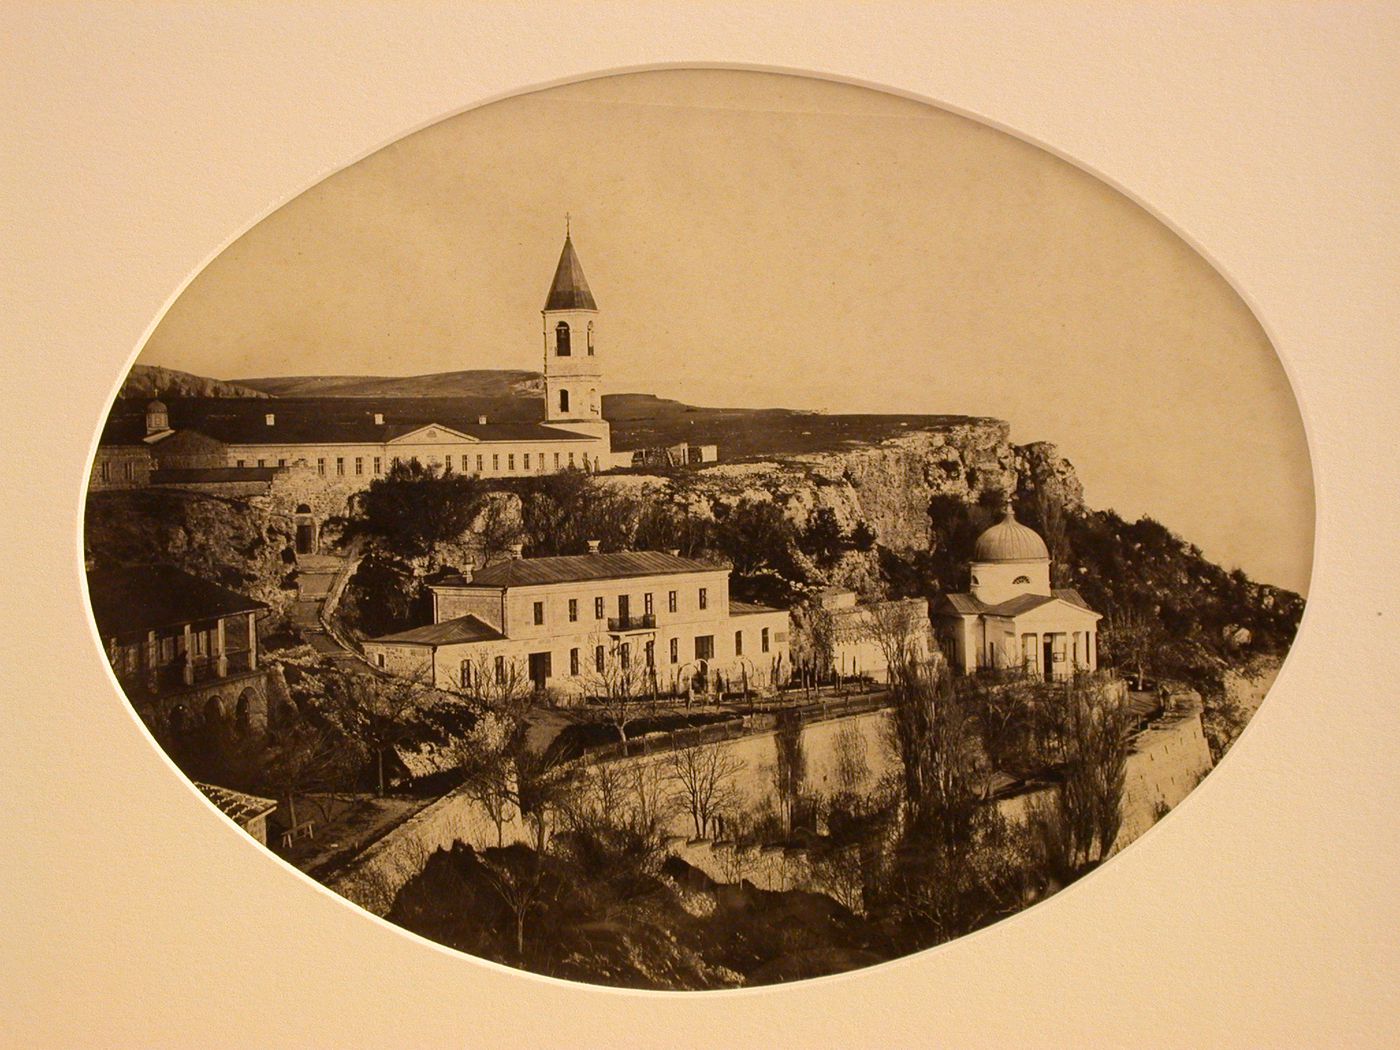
(700, 529)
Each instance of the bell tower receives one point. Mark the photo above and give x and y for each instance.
(573, 377)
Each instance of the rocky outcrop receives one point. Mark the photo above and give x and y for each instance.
(887, 486)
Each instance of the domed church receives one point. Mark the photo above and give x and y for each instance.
(1012, 617)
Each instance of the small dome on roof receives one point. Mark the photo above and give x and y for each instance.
(1009, 540)
(156, 405)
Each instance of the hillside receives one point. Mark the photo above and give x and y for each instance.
(147, 381)
(473, 383)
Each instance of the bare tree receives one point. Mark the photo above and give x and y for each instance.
(1131, 640)
(485, 758)
(705, 777)
(790, 767)
(852, 768)
(624, 684)
(377, 710)
(521, 878)
(302, 757)
(901, 631)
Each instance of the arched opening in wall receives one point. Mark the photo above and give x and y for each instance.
(590, 338)
(305, 530)
(178, 720)
(213, 711)
(561, 339)
(563, 401)
(593, 403)
(1020, 580)
(243, 711)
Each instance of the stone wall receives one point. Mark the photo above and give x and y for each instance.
(1168, 760)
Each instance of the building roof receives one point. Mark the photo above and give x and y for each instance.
(135, 600)
(569, 291)
(210, 475)
(449, 632)
(576, 568)
(237, 805)
(970, 605)
(243, 421)
(749, 608)
(1009, 540)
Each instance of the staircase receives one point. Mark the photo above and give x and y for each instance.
(320, 578)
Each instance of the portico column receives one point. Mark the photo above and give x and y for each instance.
(189, 654)
(152, 657)
(220, 655)
(252, 641)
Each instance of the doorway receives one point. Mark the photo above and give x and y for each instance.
(539, 670)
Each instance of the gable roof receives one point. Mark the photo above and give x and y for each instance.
(209, 422)
(569, 290)
(144, 598)
(449, 632)
(577, 568)
(236, 805)
(969, 605)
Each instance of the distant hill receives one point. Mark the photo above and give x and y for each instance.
(147, 381)
(473, 383)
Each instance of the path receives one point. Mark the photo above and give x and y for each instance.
(316, 575)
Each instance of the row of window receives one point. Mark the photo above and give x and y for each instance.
(535, 462)
(540, 662)
(624, 606)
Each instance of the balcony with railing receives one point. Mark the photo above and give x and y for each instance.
(626, 624)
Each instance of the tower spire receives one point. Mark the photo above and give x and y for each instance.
(566, 226)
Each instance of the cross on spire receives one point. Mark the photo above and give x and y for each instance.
(566, 224)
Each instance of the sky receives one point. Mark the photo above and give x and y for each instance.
(764, 240)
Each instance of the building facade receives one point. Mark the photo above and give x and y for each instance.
(864, 634)
(184, 650)
(1012, 618)
(591, 625)
(360, 444)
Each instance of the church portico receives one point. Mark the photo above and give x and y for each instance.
(1012, 619)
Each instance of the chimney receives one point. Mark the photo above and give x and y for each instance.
(481, 420)
(467, 569)
(270, 419)
(594, 546)
(517, 551)
(379, 419)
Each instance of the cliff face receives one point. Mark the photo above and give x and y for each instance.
(888, 487)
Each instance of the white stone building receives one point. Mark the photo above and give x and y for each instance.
(359, 441)
(1012, 617)
(570, 625)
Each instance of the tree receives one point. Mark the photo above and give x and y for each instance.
(1131, 640)
(486, 761)
(705, 778)
(1093, 722)
(301, 757)
(376, 710)
(790, 768)
(521, 878)
(1048, 515)
(852, 768)
(412, 507)
(932, 733)
(624, 687)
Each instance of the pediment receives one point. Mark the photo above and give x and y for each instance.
(434, 434)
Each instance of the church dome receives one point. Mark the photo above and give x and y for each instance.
(156, 406)
(1009, 540)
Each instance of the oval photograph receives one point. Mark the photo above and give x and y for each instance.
(699, 529)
